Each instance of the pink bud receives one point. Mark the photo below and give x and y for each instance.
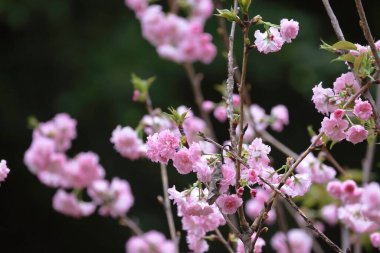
(136, 95)
(253, 193)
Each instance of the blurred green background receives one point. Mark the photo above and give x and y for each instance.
(77, 57)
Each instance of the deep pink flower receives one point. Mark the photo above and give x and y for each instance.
(229, 203)
(289, 29)
(208, 106)
(268, 41)
(69, 205)
(362, 109)
(356, 134)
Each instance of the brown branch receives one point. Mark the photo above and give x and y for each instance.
(230, 82)
(166, 204)
(367, 32)
(309, 223)
(333, 161)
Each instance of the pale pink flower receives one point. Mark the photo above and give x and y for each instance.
(334, 128)
(356, 134)
(370, 202)
(259, 117)
(258, 153)
(150, 242)
(61, 129)
(138, 6)
(127, 143)
(162, 146)
(254, 206)
(83, 170)
(329, 214)
(322, 99)
(362, 109)
(268, 41)
(297, 185)
(298, 240)
(318, 172)
(204, 172)
(69, 205)
(289, 29)
(115, 198)
(335, 189)
(351, 216)
(346, 82)
(229, 203)
(375, 239)
(196, 243)
(220, 113)
(280, 115)
(4, 170)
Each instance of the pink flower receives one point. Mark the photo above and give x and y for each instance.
(229, 203)
(235, 100)
(297, 185)
(207, 106)
(322, 99)
(289, 29)
(61, 129)
(346, 82)
(335, 189)
(162, 146)
(149, 242)
(83, 170)
(329, 214)
(115, 198)
(370, 202)
(353, 218)
(203, 171)
(298, 240)
(281, 117)
(259, 117)
(220, 113)
(258, 153)
(318, 172)
(375, 239)
(362, 109)
(4, 170)
(334, 128)
(338, 114)
(138, 6)
(127, 143)
(69, 205)
(268, 41)
(356, 134)
(182, 161)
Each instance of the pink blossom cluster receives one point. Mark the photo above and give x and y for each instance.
(319, 173)
(198, 216)
(277, 119)
(359, 206)
(4, 170)
(177, 38)
(295, 240)
(127, 142)
(346, 121)
(46, 158)
(150, 242)
(274, 38)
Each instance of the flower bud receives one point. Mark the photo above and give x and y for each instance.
(244, 4)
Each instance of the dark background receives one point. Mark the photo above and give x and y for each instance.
(77, 56)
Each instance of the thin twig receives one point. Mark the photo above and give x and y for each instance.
(333, 19)
(195, 80)
(166, 203)
(309, 223)
(223, 241)
(129, 223)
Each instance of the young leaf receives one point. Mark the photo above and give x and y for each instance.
(344, 45)
(345, 57)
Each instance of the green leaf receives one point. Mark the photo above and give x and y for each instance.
(344, 45)
(228, 14)
(357, 63)
(345, 57)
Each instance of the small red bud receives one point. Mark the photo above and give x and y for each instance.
(240, 191)
(253, 193)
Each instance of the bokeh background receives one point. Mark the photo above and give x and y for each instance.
(77, 57)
